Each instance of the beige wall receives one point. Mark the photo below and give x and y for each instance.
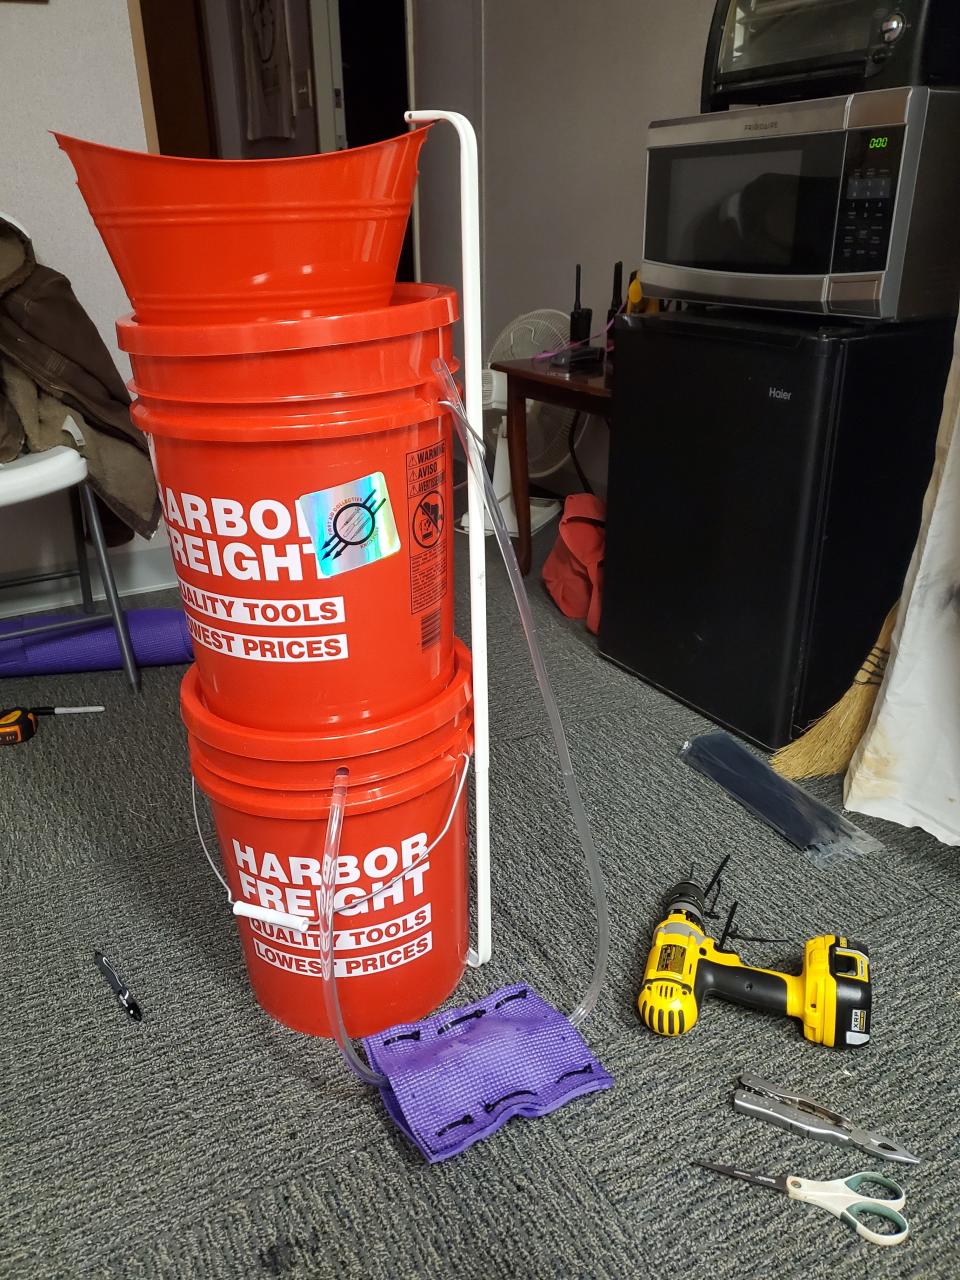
(67, 65)
(447, 74)
(561, 92)
(569, 91)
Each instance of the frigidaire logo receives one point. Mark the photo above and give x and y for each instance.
(777, 393)
(761, 126)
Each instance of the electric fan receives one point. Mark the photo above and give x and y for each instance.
(548, 426)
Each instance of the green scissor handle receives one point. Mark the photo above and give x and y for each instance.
(842, 1198)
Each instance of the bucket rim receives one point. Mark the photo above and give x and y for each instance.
(330, 743)
(413, 308)
(392, 414)
(364, 796)
(211, 162)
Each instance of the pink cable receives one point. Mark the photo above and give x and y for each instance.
(568, 346)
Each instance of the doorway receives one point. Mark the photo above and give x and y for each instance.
(252, 79)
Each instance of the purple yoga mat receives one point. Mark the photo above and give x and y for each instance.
(461, 1074)
(159, 638)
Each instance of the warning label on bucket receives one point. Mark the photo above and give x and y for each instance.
(426, 479)
(428, 520)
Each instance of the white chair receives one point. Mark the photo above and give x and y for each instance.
(34, 475)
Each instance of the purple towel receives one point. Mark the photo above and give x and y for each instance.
(159, 637)
(460, 1075)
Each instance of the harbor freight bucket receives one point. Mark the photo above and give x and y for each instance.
(215, 241)
(397, 956)
(305, 475)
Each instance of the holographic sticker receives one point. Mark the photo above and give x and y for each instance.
(351, 525)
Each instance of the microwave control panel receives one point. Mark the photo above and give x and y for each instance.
(868, 190)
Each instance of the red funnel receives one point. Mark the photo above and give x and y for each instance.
(215, 241)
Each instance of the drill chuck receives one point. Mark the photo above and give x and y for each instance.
(688, 898)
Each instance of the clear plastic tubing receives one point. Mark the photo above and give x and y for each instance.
(585, 1007)
(473, 450)
(331, 1001)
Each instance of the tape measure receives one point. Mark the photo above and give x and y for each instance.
(19, 724)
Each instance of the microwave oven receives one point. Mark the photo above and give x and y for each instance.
(776, 50)
(845, 206)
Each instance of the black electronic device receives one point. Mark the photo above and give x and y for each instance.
(761, 51)
(616, 298)
(766, 482)
(616, 306)
(580, 317)
(579, 359)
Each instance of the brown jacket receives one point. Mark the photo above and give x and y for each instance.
(54, 367)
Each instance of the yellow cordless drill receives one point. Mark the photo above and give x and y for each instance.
(831, 996)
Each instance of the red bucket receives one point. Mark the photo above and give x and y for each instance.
(398, 956)
(238, 240)
(305, 472)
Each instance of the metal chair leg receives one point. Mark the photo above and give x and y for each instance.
(110, 587)
(83, 568)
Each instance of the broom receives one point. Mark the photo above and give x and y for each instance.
(828, 745)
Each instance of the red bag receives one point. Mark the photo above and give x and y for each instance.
(573, 571)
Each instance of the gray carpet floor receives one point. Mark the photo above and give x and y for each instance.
(211, 1142)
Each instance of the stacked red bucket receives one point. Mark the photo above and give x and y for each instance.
(304, 466)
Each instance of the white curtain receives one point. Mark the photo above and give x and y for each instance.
(907, 767)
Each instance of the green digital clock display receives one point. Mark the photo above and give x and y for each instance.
(878, 143)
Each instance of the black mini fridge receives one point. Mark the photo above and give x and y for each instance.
(766, 484)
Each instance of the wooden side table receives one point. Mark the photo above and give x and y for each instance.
(536, 380)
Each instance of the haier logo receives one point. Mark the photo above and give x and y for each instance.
(777, 393)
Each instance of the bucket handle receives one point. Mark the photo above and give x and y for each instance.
(303, 924)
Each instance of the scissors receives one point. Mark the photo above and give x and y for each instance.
(841, 1197)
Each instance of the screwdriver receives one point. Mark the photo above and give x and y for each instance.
(18, 724)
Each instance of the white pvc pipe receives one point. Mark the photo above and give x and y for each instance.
(472, 373)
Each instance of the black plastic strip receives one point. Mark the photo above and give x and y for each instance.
(517, 1093)
(454, 1124)
(404, 1035)
(517, 995)
(577, 1071)
(467, 1017)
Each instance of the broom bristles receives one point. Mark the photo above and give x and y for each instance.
(828, 745)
